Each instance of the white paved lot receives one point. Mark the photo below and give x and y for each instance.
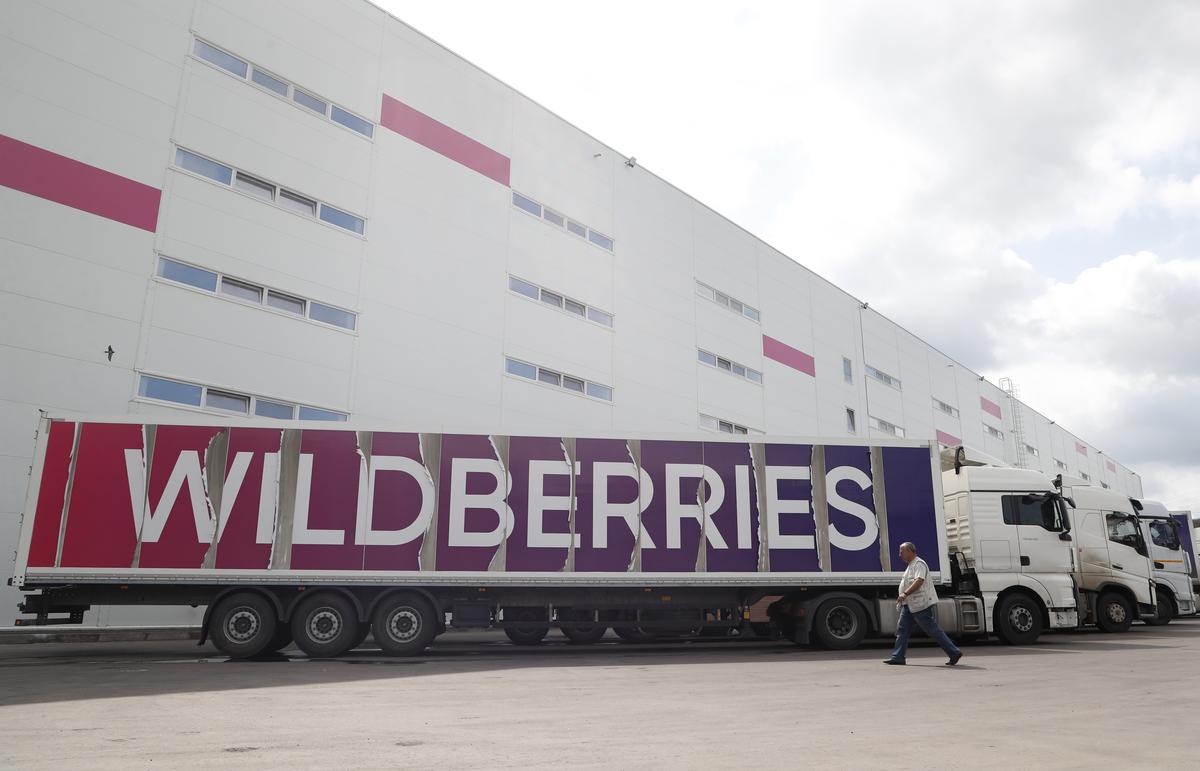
(1073, 701)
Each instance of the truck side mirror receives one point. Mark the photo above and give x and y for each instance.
(1064, 536)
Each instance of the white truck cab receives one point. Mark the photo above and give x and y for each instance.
(1170, 543)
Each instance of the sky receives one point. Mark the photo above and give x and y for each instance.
(1017, 183)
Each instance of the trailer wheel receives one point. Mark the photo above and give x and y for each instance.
(1113, 612)
(531, 626)
(404, 624)
(583, 635)
(243, 625)
(325, 625)
(1164, 610)
(1018, 620)
(840, 624)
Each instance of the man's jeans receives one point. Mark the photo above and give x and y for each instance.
(927, 620)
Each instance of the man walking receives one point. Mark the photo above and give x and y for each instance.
(917, 600)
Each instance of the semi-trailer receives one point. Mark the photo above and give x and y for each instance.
(294, 531)
(1169, 538)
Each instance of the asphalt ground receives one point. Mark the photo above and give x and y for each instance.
(1074, 700)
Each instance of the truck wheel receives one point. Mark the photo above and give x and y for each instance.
(404, 624)
(532, 627)
(1113, 612)
(243, 625)
(325, 625)
(1018, 620)
(840, 624)
(583, 635)
(281, 640)
(633, 634)
(1164, 610)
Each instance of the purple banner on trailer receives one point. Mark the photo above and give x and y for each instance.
(853, 523)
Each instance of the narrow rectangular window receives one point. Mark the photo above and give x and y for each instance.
(850, 425)
(285, 302)
(223, 400)
(554, 218)
(550, 298)
(600, 317)
(269, 82)
(526, 204)
(241, 290)
(297, 203)
(725, 427)
(573, 384)
(751, 313)
(847, 370)
(169, 390)
(546, 376)
(523, 287)
(218, 57)
(520, 369)
(708, 422)
(724, 364)
(577, 308)
(314, 413)
(753, 375)
(255, 187)
(327, 314)
(341, 219)
(707, 358)
(705, 291)
(600, 391)
(186, 274)
(309, 101)
(277, 410)
(351, 121)
(739, 370)
(577, 229)
(198, 164)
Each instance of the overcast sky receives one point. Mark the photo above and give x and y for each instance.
(1017, 183)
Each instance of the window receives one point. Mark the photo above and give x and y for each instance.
(600, 317)
(218, 57)
(883, 377)
(270, 409)
(198, 164)
(169, 390)
(241, 290)
(309, 101)
(1122, 529)
(1163, 534)
(1037, 510)
(946, 408)
(725, 301)
(550, 217)
(285, 302)
(221, 400)
(186, 274)
(886, 427)
(313, 413)
(341, 219)
(351, 121)
(523, 287)
(579, 309)
(993, 432)
(550, 377)
(847, 370)
(558, 300)
(727, 365)
(1058, 464)
(710, 423)
(851, 427)
(264, 190)
(550, 298)
(281, 88)
(1031, 450)
(269, 82)
(255, 187)
(1085, 476)
(327, 314)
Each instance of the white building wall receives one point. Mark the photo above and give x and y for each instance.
(115, 85)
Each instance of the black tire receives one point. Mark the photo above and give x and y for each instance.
(1113, 612)
(1165, 609)
(532, 628)
(325, 625)
(583, 635)
(632, 634)
(243, 625)
(1018, 620)
(839, 624)
(404, 624)
(282, 638)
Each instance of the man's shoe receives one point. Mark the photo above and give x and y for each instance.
(894, 661)
(954, 659)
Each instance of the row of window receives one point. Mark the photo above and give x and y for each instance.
(1031, 450)
(725, 301)
(879, 424)
(946, 408)
(558, 379)
(558, 300)
(994, 432)
(727, 365)
(194, 395)
(211, 281)
(883, 377)
(282, 88)
(267, 191)
(710, 423)
(551, 217)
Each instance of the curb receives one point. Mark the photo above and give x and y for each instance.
(98, 634)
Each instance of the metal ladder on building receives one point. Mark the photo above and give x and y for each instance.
(1014, 409)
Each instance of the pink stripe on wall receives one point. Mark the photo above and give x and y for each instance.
(1111, 466)
(440, 138)
(63, 180)
(1081, 448)
(949, 439)
(990, 407)
(786, 354)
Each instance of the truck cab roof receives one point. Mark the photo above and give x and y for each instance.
(992, 478)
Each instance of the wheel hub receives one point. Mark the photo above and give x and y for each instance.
(242, 625)
(1116, 611)
(843, 623)
(404, 625)
(324, 625)
(1021, 619)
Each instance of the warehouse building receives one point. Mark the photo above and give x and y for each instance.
(308, 210)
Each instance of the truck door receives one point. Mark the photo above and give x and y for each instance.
(1165, 548)
(1128, 555)
(1091, 543)
(1039, 528)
